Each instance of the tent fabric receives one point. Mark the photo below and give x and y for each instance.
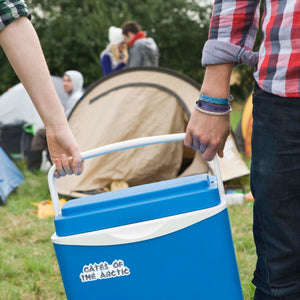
(246, 125)
(10, 176)
(129, 104)
(17, 114)
(243, 131)
(16, 106)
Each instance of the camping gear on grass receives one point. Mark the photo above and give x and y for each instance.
(10, 176)
(134, 103)
(45, 208)
(163, 240)
(243, 131)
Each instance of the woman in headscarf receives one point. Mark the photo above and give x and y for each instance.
(73, 86)
(115, 56)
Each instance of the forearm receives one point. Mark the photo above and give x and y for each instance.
(22, 48)
(216, 81)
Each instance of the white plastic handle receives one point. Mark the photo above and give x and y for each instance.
(134, 143)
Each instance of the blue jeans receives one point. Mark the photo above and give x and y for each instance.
(275, 184)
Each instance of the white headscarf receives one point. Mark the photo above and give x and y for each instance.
(77, 92)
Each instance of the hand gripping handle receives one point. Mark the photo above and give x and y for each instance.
(134, 143)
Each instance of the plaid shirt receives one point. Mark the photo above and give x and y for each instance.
(11, 10)
(233, 29)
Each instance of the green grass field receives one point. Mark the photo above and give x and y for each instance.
(28, 266)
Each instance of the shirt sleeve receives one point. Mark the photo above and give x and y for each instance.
(106, 65)
(119, 66)
(232, 33)
(11, 10)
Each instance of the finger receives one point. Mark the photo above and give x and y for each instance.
(66, 165)
(221, 150)
(81, 168)
(59, 167)
(202, 148)
(196, 143)
(209, 153)
(77, 163)
(188, 140)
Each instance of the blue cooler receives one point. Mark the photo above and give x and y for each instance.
(165, 241)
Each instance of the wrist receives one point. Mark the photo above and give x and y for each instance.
(216, 82)
(215, 100)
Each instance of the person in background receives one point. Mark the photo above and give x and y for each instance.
(29, 64)
(143, 51)
(115, 56)
(73, 86)
(275, 161)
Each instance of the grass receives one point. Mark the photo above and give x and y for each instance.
(28, 266)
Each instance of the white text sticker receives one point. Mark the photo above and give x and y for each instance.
(103, 270)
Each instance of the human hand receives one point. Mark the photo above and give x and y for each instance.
(207, 133)
(62, 146)
(125, 57)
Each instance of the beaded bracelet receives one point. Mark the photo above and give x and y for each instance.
(211, 109)
(213, 100)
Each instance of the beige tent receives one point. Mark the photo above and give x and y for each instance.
(134, 103)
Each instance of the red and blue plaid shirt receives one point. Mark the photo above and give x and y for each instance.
(232, 34)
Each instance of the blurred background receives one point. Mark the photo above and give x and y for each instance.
(73, 33)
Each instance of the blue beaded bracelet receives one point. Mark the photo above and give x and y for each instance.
(223, 101)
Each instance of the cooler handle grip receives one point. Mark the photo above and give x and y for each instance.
(119, 146)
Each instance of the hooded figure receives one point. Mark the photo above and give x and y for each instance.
(114, 57)
(73, 85)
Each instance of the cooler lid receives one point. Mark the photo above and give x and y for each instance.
(137, 204)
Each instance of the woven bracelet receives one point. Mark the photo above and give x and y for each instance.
(211, 109)
(214, 100)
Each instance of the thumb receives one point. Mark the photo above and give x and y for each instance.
(221, 150)
(77, 163)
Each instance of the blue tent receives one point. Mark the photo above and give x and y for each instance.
(10, 176)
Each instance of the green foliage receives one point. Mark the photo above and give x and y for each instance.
(73, 33)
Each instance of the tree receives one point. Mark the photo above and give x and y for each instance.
(74, 32)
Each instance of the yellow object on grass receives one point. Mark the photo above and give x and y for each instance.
(246, 124)
(45, 208)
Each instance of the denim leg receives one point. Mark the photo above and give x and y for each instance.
(275, 184)
(261, 296)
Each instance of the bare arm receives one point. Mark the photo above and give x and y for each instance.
(211, 131)
(22, 47)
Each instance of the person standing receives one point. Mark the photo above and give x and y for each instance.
(143, 51)
(275, 165)
(115, 56)
(29, 64)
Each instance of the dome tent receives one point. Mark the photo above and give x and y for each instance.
(134, 103)
(10, 176)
